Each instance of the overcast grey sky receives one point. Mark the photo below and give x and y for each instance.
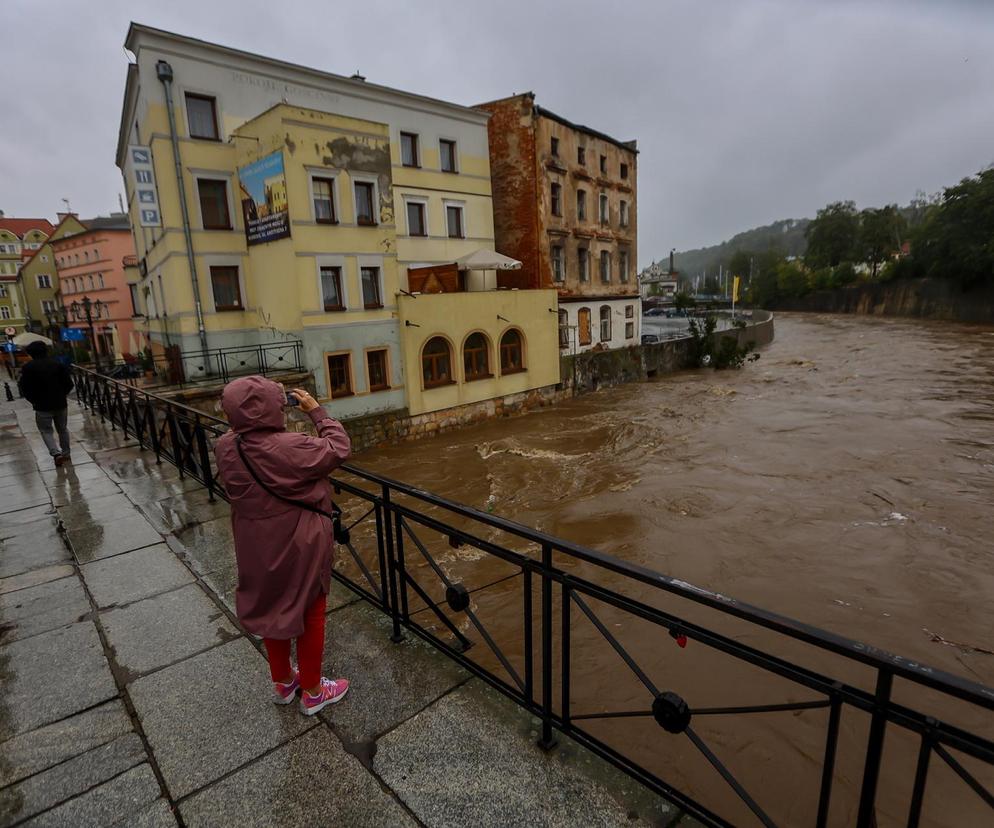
(745, 111)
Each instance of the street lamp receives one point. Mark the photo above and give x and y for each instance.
(83, 311)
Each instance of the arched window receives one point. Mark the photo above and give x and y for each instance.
(436, 363)
(583, 324)
(476, 357)
(511, 358)
(605, 323)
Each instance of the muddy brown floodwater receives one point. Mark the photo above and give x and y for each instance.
(846, 479)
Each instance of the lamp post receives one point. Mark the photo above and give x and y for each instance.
(57, 318)
(83, 311)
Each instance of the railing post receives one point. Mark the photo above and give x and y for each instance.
(391, 565)
(529, 637)
(874, 750)
(547, 742)
(205, 458)
(828, 765)
(565, 665)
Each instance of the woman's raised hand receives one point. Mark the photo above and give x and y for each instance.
(307, 402)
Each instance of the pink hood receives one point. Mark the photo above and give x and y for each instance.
(254, 404)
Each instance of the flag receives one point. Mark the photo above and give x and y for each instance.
(735, 289)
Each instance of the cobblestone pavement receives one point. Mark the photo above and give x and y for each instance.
(130, 696)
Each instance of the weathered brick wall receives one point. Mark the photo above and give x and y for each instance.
(512, 170)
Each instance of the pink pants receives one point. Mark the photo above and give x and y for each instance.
(310, 647)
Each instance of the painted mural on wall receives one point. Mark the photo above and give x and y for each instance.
(264, 202)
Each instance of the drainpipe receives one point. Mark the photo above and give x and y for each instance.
(165, 74)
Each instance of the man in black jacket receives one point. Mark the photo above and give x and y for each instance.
(45, 383)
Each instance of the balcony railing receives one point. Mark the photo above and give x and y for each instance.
(737, 714)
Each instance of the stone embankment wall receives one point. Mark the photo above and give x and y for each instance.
(925, 298)
(580, 373)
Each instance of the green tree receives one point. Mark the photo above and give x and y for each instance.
(880, 235)
(844, 274)
(683, 300)
(792, 281)
(833, 235)
(739, 263)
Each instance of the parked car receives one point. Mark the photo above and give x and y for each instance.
(650, 339)
(654, 312)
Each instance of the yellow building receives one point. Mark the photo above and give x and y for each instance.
(39, 279)
(308, 199)
(20, 238)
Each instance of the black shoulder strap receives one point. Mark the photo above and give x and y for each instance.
(333, 515)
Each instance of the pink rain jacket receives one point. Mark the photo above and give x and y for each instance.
(284, 553)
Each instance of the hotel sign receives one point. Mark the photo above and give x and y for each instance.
(143, 181)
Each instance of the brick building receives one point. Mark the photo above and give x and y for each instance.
(565, 206)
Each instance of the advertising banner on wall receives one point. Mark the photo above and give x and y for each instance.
(263, 194)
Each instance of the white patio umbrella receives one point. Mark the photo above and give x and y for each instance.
(487, 260)
(25, 338)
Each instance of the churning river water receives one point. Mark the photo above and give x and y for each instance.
(846, 479)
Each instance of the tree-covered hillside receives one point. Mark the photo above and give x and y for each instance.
(785, 236)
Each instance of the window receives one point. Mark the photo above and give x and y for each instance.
(510, 353)
(370, 277)
(624, 171)
(629, 311)
(340, 375)
(558, 269)
(563, 328)
(324, 200)
(4, 312)
(47, 306)
(604, 214)
(89, 280)
(623, 266)
(583, 324)
(409, 149)
(44, 280)
(604, 164)
(554, 146)
(605, 266)
(629, 330)
(623, 213)
(453, 220)
(201, 116)
(3, 291)
(100, 279)
(96, 254)
(227, 292)
(214, 204)
(44, 259)
(447, 154)
(605, 323)
(581, 205)
(476, 362)
(376, 370)
(331, 288)
(581, 155)
(364, 203)
(416, 224)
(435, 363)
(557, 199)
(86, 255)
(134, 300)
(583, 263)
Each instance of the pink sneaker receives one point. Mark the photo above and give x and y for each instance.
(330, 692)
(284, 693)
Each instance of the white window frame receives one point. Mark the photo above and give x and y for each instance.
(561, 276)
(623, 263)
(223, 261)
(418, 144)
(210, 175)
(333, 261)
(455, 154)
(47, 281)
(422, 200)
(4, 312)
(355, 178)
(370, 261)
(461, 206)
(48, 306)
(605, 256)
(623, 213)
(604, 209)
(331, 175)
(583, 274)
(3, 291)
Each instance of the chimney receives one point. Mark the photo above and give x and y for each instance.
(2, 214)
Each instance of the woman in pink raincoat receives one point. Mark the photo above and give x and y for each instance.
(284, 550)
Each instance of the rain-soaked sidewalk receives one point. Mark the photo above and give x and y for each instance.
(130, 696)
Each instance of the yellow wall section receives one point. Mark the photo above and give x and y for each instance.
(455, 316)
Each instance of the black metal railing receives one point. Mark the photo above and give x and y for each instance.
(814, 728)
(181, 368)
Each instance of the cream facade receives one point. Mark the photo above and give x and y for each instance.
(20, 239)
(375, 181)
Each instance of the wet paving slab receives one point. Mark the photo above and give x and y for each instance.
(39, 544)
(41, 608)
(309, 781)
(208, 546)
(86, 511)
(96, 540)
(183, 512)
(134, 575)
(84, 678)
(164, 629)
(36, 576)
(228, 721)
